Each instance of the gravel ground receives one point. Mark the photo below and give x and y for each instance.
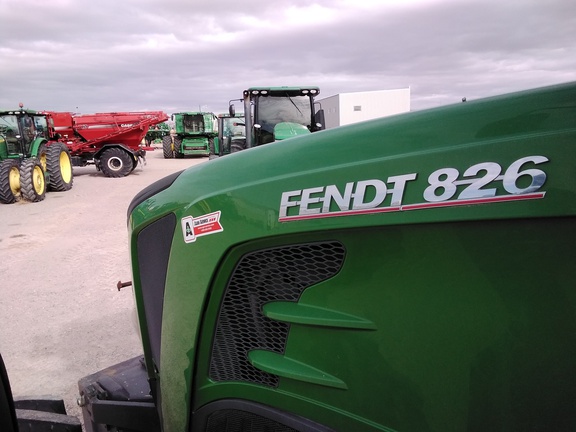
(61, 315)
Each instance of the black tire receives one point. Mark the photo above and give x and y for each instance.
(32, 180)
(212, 150)
(237, 145)
(9, 181)
(59, 165)
(8, 419)
(177, 147)
(116, 162)
(167, 147)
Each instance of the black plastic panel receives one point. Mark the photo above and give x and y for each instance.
(154, 243)
(236, 415)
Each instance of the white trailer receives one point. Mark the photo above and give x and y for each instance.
(347, 108)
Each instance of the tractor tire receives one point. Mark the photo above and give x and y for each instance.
(32, 180)
(42, 156)
(177, 148)
(116, 162)
(9, 181)
(237, 145)
(167, 147)
(59, 165)
(211, 149)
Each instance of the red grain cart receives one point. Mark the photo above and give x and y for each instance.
(111, 141)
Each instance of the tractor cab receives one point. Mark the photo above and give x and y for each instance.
(278, 113)
(20, 128)
(231, 134)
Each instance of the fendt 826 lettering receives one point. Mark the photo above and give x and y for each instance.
(421, 282)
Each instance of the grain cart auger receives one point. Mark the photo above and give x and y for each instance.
(110, 141)
(422, 282)
(30, 160)
(193, 134)
(279, 113)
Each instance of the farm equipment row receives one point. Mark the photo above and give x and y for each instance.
(39, 148)
(270, 114)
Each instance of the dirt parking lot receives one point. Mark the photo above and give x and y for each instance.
(61, 314)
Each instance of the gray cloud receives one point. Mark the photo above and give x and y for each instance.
(179, 55)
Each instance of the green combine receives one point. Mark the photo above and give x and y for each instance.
(192, 135)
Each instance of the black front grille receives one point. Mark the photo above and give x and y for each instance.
(242, 421)
(278, 274)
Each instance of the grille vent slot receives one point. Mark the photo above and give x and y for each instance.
(241, 421)
(277, 274)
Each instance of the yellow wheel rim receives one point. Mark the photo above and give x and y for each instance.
(65, 167)
(43, 161)
(14, 180)
(38, 180)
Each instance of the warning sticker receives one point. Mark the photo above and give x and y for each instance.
(200, 226)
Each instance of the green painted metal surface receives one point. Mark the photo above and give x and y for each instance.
(458, 225)
(287, 130)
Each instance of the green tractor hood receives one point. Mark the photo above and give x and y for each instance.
(408, 273)
(287, 130)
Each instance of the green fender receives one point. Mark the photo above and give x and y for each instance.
(35, 146)
(3, 149)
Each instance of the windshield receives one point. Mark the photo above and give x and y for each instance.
(9, 126)
(234, 127)
(277, 109)
(193, 123)
(41, 126)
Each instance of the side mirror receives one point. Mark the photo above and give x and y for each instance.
(319, 120)
(232, 110)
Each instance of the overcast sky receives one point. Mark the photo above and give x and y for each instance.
(179, 55)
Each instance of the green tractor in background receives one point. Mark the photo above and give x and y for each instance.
(30, 159)
(231, 135)
(278, 113)
(156, 133)
(192, 135)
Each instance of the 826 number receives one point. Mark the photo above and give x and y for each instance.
(443, 183)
